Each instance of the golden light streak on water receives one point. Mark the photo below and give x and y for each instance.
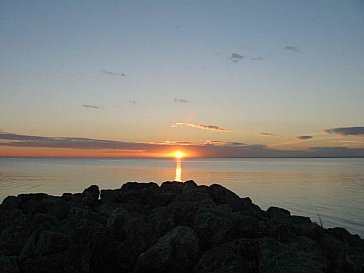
(178, 170)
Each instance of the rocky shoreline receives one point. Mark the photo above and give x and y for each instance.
(175, 227)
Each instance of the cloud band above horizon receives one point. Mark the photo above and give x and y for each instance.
(208, 149)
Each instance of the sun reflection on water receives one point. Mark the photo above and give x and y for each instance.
(178, 169)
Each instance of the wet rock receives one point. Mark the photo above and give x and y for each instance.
(177, 251)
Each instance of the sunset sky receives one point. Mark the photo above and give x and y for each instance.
(209, 78)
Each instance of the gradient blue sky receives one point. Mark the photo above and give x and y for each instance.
(202, 72)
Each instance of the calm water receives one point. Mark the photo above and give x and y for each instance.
(331, 188)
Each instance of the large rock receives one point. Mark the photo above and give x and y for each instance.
(215, 225)
(177, 227)
(8, 264)
(223, 259)
(172, 187)
(302, 256)
(44, 252)
(177, 251)
(162, 220)
(133, 233)
(193, 193)
(222, 195)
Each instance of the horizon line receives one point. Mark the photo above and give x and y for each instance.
(197, 157)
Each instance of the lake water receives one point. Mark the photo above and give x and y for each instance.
(332, 189)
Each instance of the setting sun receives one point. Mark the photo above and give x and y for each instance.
(179, 154)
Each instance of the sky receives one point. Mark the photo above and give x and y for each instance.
(210, 78)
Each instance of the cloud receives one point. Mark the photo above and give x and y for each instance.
(292, 48)
(257, 58)
(226, 143)
(346, 131)
(268, 134)
(304, 137)
(133, 102)
(16, 140)
(235, 57)
(169, 142)
(217, 149)
(202, 126)
(90, 106)
(111, 73)
(179, 100)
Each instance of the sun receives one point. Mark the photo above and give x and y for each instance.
(179, 154)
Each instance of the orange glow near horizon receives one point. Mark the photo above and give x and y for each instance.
(69, 152)
(179, 154)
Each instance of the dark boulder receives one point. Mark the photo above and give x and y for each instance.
(171, 187)
(133, 233)
(221, 195)
(33, 202)
(303, 255)
(91, 195)
(135, 186)
(193, 193)
(8, 264)
(220, 259)
(276, 212)
(215, 225)
(162, 220)
(11, 202)
(177, 227)
(177, 251)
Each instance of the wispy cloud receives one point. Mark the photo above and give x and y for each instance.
(90, 106)
(235, 57)
(171, 142)
(257, 58)
(224, 143)
(268, 134)
(212, 149)
(202, 126)
(180, 100)
(133, 102)
(346, 131)
(292, 48)
(111, 73)
(304, 137)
